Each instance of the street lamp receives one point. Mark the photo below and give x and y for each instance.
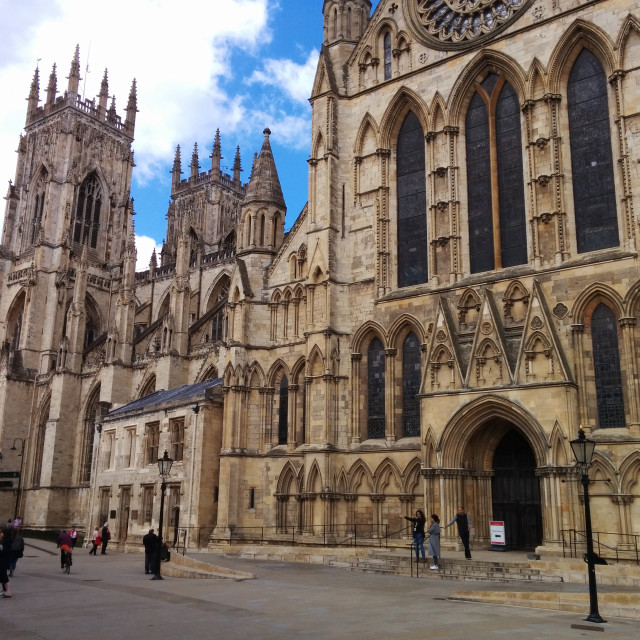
(583, 452)
(164, 469)
(13, 448)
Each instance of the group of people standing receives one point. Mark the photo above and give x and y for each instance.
(11, 550)
(462, 521)
(100, 538)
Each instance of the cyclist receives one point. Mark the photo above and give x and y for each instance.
(64, 540)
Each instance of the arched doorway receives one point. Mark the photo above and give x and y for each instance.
(516, 491)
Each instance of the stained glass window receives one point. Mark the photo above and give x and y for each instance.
(283, 411)
(606, 368)
(591, 158)
(411, 386)
(387, 56)
(86, 222)
(376, 389)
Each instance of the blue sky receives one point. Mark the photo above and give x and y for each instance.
(195, 72)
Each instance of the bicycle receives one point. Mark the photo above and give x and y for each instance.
(66, 566)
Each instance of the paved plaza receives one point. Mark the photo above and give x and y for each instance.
(110, 597)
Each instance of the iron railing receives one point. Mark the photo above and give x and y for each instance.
(621, 547)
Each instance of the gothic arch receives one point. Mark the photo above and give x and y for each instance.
(412, 476)
(210, 373)
(385, 25)
(589, 298)
(559, 452)
(438, 119)
(579, 35)
(148, 386)
(629, 473)
(536, 81)
(289, 479)
(603, 471)
(468, 420)
(365, 333)
(386, 472)
(316, 362)
(360, 475)
(368, 124)
(314, 479)
(631, 300)
(485, 62)
(404, 101)
(318, 146)
(276, 371)
(218, 290)
(15, 319)
(256, 376)
(630, 25)
(401, 327)
(430, 449)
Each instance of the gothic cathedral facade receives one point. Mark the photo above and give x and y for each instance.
(458, 297)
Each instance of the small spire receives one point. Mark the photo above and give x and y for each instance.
(264, 185)
(52, 87)
(216, 155)
(153, 263)
(177, 168)
(34, 92)
(111, 114)
(103, 96)
(132, 107)
(74, 72)
(237, 166)
(194, 162)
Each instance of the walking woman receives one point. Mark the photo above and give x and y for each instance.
(418, 533)
(434, 540)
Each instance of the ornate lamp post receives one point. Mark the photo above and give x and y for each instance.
(164, 469)
(583, 452)
(22, 442)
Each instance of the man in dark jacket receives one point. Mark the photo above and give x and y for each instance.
(463, 521)
(150, 542)
(106, 536)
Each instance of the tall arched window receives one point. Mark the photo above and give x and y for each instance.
(88, 437)
(283, 411)
(86, 222)
(387, 56)
(606, 367)
(412, 204)
(38, 207)
(376, 389)
(494, 148)
(591, 158)
(411, 386)
(40, 430)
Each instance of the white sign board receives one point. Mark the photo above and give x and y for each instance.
(496, 529)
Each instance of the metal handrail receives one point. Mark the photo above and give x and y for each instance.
(572, 539)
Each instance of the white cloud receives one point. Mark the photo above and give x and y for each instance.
(295, 79)
(144, 249)
(179, 54)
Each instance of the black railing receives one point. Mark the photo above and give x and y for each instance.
(621, 547)
(354, 535)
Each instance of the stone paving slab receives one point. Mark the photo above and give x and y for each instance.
(109, 597)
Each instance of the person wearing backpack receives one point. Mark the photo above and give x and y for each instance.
(17, 550)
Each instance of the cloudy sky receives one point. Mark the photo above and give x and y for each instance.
(200, 65)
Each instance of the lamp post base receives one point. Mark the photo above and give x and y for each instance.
(594, 617)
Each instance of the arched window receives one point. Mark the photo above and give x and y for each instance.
(349, 23)
(411, 386)
(86, 222)
(376, 389)
(412, 204)
(38, 207)
(217, 326)
(89, 436)
(387, 56)
(591, 158)
(283, 411)
(606, 368)
(36, 470)
(494, 147)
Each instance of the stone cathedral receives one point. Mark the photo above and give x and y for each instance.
(459, 295)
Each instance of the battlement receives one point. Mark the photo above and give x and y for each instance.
(206, 177)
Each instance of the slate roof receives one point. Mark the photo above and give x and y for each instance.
(180, 395)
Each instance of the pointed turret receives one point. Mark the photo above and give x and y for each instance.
(111, 114)
(103, 96)
(216, 155)
(34, 94)
(74, 72)
(265, 184)
(153, 263)
(345, 20)
(237, 168)
(195, 165)
(52, 87)
(132, 108)
(176, 172)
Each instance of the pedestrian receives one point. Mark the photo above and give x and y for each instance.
(106, 536)
(434, 540)
(418, 533)
(95, 541)
(74, 537)
(17, 549)
(5, 555)
(463, 521)
(150, 542)
(64, 540)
